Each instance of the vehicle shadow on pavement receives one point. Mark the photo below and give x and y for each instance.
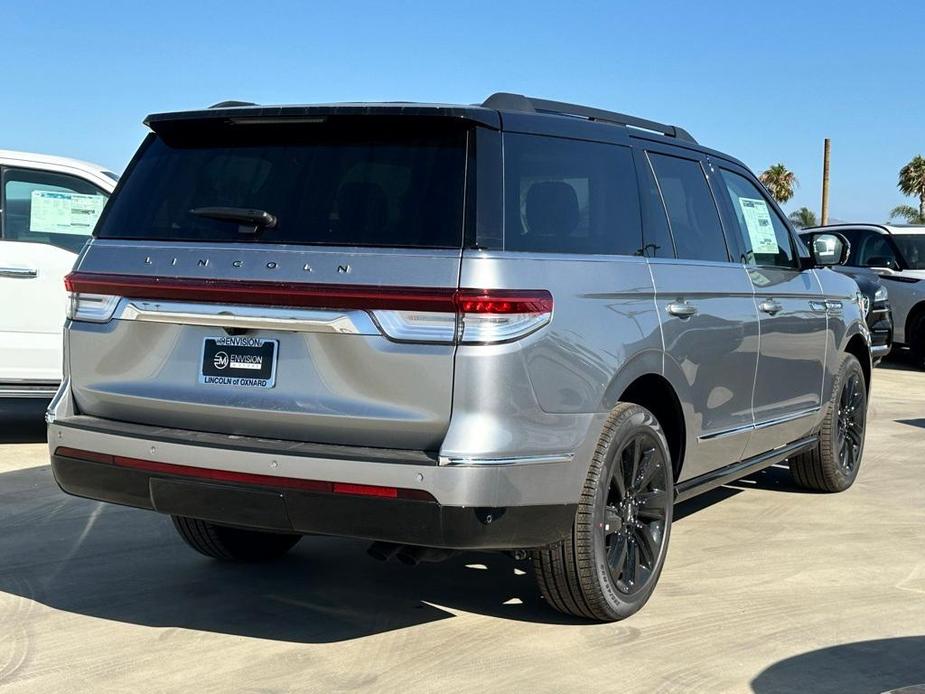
(899, 360)
(22, 420)
(123, 564)
(913, 422)
(775, 478)
(883, 665)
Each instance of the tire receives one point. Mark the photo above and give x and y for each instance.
(233, 544)
(916, 340)
(833, 464)
(608, 568)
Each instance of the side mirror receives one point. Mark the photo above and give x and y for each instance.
(829, 249)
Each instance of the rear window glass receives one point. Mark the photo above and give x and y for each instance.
(570, 196)
(354, 184)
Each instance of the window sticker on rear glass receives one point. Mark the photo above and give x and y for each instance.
(55, 212)
(758, 221)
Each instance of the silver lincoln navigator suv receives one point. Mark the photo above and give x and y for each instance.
(524, 325)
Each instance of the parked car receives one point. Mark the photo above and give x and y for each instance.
(526, 326)
(48, 207)
(897, 254)
(877, 310)
(876, 306)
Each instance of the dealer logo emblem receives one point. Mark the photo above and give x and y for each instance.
(220, 360)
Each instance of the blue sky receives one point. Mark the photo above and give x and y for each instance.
(765, 82)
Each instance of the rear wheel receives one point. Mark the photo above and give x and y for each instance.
(233, 544)
(833, 464)
(609, 566)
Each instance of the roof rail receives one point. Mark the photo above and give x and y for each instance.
(232, 103)
(505, 101)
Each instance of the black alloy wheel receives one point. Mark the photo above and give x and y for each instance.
(850, 423)
(635, 512)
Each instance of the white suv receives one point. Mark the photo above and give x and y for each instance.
(48, 207)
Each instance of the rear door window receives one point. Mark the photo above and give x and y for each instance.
(362, 183)
(51, 208)
(657, 235)
(570, 196)
(692, 214)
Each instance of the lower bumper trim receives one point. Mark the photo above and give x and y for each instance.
(399, 520)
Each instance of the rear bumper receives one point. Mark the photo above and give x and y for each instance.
(463, 506)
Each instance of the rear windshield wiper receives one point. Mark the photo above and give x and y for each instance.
(250, 221)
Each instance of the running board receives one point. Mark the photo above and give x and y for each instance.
(717, 478)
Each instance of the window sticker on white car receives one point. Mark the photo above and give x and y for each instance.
(758, 221)
(56, 212)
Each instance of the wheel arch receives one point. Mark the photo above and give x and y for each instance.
(654, 392)
(857, 345)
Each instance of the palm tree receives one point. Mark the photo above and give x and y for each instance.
(912, 183)
(908, 213)
(803, 218)
(779, 181)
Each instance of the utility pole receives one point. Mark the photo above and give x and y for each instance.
(825, 181)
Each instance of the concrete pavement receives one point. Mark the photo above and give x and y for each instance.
(766, 589)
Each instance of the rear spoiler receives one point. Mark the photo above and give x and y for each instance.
(241, 113)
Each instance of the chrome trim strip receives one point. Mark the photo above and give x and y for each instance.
(516, 460)
(15, 272)
(758, 425)
(786, 418)
(44, 392)
(251, 317)
(726, 432)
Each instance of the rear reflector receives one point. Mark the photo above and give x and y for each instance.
(404, 314)
(247, 478)
(365, 490)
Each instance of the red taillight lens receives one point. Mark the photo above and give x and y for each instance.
(490, 316)
(503, 301)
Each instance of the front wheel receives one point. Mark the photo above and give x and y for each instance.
(609, 566)
(832, 464)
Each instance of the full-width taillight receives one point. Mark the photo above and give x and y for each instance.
(404, 314)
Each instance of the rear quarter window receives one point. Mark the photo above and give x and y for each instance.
(570, 196)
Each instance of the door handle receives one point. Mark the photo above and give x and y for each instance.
(19, 272)
(818, 306)
(681, 309)
(770, 306)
